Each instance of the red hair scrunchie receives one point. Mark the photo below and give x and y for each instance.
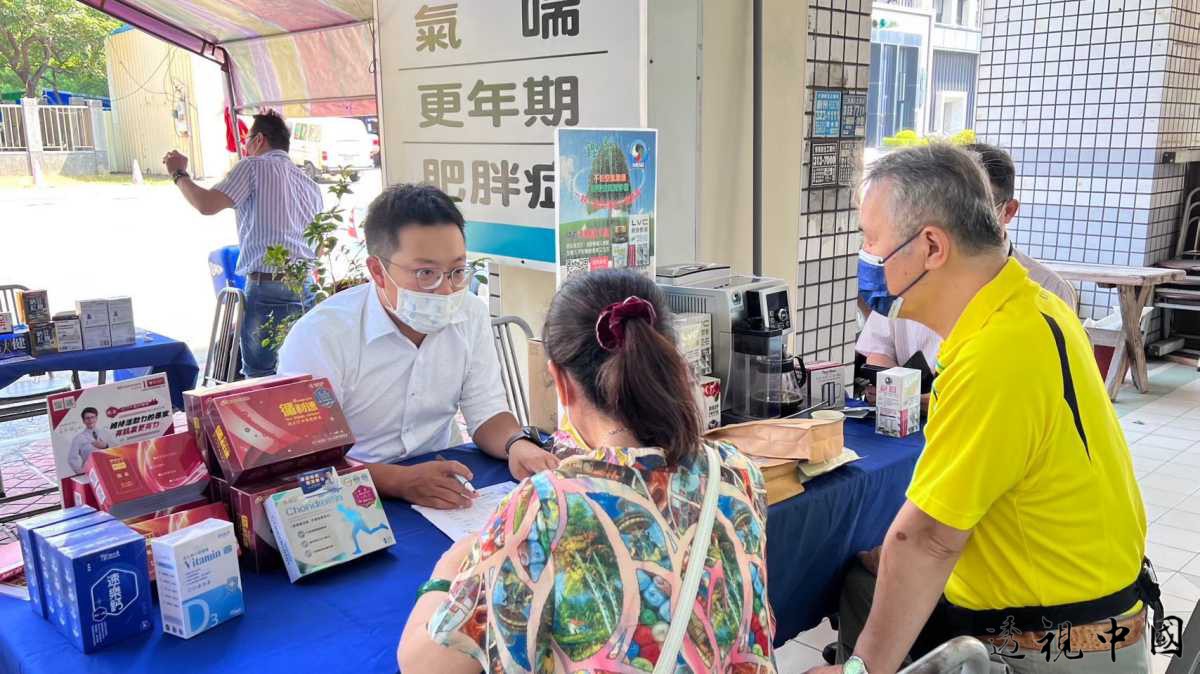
(610, 326)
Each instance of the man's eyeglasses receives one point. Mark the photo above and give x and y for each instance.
(432, 279)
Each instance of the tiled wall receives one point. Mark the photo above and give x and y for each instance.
(1087, 95)
(839, 52)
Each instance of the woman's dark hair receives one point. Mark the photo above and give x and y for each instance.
(270, 125)
(407, 205)
(644, 383)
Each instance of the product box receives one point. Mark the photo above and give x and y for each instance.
(6, 322)
(15, 345)
(122, 334)
(68, 335)
(707, 392)
(97, 337)
(48, 568)
(265, 432)
(898, 402)
(136, 479)
(77, 490)
(120, 310)
(693, 337)
(25, 533)
(826, 383)
(250, 517)
(195, 405)
(102, 417)
(33, 306)
(92, 313)
(163, 522)
(41, 338)
(329, 519)
(101, 593)
(199, 584)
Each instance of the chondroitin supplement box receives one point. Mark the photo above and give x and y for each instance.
(103, 586)
(25, 532)
(199, 584)
(327, 520)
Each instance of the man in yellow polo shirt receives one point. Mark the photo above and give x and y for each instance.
(1023, 522)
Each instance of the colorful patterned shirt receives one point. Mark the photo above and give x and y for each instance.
(578, 570)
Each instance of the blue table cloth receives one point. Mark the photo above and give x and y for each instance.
(155, 353)
(349, 619)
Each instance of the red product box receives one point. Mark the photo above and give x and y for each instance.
(195, 403)
(77, 491)
(150, 475)
(258, 434)
(162, 523)
(250, 518)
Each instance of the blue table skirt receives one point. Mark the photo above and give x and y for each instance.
(349, 619)
(155, 354)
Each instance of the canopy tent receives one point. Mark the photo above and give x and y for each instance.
(300, 57)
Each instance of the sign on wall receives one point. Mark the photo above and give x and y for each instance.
(471, 93)
(827, 114)
(607, 187)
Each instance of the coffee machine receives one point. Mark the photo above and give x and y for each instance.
(752, 325)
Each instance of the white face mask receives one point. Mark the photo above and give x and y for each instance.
(427, 313)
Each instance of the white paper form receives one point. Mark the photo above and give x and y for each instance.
(458, 524)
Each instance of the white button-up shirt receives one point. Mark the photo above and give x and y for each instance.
(400, 400)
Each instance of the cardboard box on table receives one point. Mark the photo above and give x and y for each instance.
(100, 594)
(246, 506)
(47, 563)
(196, 401)
(6, 322)
(92, 313)
(140, 478)
(265, 432)
(827, 383)
(707, 393)
(127, 412)
(15, 345)
(163, 522)
(33, 306)
(122, 334)
(25, 534)
(68, 333)
(41, 338)
(199, 584)
(97, 337)
(898, 402)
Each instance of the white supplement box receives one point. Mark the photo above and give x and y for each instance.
(122, 334)
(120, 310)
(96, 337)
(707, 392)
(898, 402)
(199, 584)
(68, 335)
(92, 313)
(6, 323)
(827, 384)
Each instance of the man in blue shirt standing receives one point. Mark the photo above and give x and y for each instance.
(274, 202)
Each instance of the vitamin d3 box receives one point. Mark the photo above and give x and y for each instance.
(102, 586)
(199, 584)
(25, 532)
(898, 402)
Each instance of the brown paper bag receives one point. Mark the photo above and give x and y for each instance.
(813, 440)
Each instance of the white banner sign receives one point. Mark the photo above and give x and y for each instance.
(471, 92)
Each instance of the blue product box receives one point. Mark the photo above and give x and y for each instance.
(48, 570)
(25, 529)
(105, 585)
(15, 345)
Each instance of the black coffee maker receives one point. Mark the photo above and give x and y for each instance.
(764, 381)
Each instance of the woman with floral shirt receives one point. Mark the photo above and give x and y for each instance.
(580, 568)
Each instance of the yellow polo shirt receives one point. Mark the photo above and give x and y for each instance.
(1024, 449)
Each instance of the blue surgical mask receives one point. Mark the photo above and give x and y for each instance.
(872, 281)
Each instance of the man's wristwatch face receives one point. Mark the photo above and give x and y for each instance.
(854, 665)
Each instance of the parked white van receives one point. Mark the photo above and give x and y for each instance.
(322, 145)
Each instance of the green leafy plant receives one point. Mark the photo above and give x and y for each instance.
(909, 138)
(337, 265)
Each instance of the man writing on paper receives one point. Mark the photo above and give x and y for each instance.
(1023, 514)
(890, 342)
(408, 350)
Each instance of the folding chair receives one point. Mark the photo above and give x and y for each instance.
(224, 362)
(510, 372)
(967, 655)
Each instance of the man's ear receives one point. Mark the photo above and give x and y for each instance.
(375, 269)
(937, 242)
(1010, 211)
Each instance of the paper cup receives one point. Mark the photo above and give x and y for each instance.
(828, 415)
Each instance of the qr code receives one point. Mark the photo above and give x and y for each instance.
(574, 266)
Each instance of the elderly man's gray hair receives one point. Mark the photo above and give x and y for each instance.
(940, 185)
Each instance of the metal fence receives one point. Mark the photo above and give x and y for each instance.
(12, 129)
(66, 128)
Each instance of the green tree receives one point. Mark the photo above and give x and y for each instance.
(56, 43)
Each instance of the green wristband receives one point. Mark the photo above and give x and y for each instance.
(433, 585)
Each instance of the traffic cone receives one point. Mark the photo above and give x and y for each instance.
(137, 173)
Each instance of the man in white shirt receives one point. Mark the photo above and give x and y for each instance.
(891, 342)
(88, 440)
(408, 350)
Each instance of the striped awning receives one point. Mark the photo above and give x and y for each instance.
(301, 57)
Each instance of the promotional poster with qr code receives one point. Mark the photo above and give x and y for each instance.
(102, 417)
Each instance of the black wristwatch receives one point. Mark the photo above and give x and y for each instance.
(529, 433)
(179, 173)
